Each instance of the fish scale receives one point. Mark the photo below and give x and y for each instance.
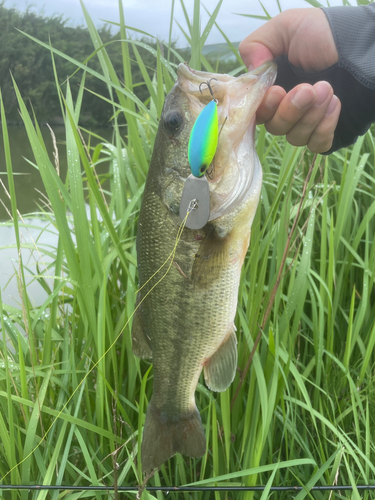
(186, 323)
(183, 312)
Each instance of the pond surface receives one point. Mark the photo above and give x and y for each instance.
(29, 193)
(43, 233)
(27, 180)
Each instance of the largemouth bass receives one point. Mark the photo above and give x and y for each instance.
(186, 323)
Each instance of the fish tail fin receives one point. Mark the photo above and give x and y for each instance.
(164, 436)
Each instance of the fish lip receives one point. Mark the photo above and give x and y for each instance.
(267, 72)
(267, 69)
(190, 81)
(236, 167)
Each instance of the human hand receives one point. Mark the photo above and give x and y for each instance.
(308, 114)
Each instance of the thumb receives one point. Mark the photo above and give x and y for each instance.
(254, 54)
(266, 42)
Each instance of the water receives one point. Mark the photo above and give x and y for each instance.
(31, 256)
(28, 183)
(29, 193)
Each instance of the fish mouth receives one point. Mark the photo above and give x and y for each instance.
(235, 171)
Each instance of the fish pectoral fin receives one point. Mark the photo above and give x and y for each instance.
(210, 260)
(220, 369)
(140, 341)
(164, 436)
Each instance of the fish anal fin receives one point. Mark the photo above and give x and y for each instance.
(163, 437)
(220, 369)
(140, 341)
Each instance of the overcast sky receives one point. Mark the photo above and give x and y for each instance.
(153, 16)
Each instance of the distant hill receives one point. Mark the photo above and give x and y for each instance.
(217, 51)
(220, 51)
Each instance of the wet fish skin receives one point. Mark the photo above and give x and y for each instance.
(186, 323)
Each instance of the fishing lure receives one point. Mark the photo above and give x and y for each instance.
(201, 151)
(203, 140)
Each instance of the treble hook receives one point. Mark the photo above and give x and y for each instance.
(209, 87)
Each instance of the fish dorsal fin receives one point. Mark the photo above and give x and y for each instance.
(220, 369)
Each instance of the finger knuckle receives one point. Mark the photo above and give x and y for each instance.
(296, 140)
(320, 144)
(275, 129)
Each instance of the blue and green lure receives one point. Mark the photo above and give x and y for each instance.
(201, 151)
(203, 140)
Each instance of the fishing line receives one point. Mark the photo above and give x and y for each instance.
(192, 206)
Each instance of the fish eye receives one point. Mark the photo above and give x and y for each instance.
(173, 122)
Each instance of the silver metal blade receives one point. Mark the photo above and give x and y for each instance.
(195, 189)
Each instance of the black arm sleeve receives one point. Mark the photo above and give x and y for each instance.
(352, 78)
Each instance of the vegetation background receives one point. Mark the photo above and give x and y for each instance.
(73, 396)
(30, 65)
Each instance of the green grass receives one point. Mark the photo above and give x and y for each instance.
(72, 395)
